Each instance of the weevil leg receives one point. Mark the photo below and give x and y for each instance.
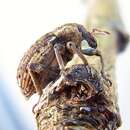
(33, 109)
(34, 69)
(91, 52)
(59, 58)
(77, 51)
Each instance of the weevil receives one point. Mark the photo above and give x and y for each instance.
(46, 58)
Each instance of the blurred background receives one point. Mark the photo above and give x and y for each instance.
(22, 22)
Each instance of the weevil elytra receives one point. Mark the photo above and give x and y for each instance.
(47, 57)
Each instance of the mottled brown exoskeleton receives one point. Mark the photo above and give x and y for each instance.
(43, 62)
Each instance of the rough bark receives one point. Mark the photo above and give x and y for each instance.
(59, 109)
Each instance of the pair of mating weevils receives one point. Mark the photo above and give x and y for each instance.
(47, 58)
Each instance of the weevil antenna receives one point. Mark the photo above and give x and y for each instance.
(96, 31)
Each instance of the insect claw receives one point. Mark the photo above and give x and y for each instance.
(33, 109)
(107, 81)
(110, 83)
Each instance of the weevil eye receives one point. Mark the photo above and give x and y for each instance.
(69, 45)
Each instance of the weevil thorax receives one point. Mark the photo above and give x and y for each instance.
(69, 32)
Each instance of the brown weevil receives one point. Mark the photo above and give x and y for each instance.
(43, 62)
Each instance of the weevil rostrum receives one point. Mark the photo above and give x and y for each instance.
(46, 58)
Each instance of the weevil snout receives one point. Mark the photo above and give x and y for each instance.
(87, 36)
(91, 41)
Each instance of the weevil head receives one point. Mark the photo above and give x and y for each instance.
(87, 36)
(75, 33)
